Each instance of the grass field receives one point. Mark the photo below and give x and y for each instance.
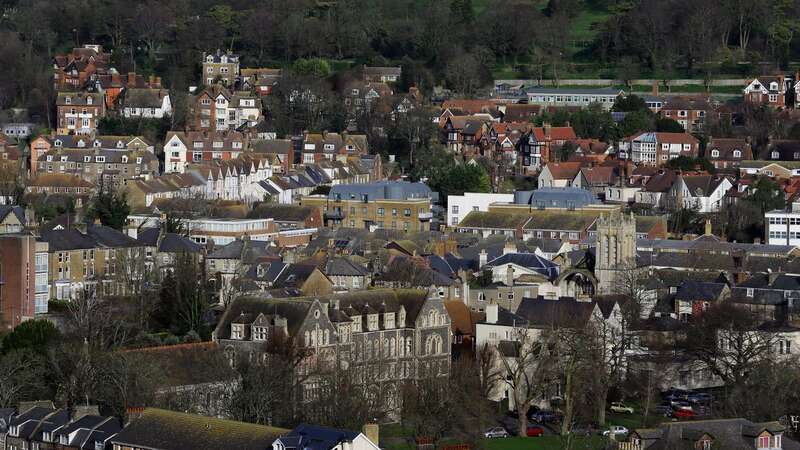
(537, 443)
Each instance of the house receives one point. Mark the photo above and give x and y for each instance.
(184, 147)
(728, 153)
(288, 217)
(114, 84)
(262, 80)
(458, 206)
(596, 179)
(77, 68)
(398, 205)
(209, 108)
(520, 113)
(559, 174)
(159, 429)
(537, 145)
(512, 265)
(18, 130)
(689, 111)
(112, 168)
(655, 188)
(317, 147)
(694, 297)
(244, 110)
(163, 248)
(52, 183)
(102, 142)
(568, 198)
(582, 97)
(781, 150)
(382, 74)
(315, 437)
(281, 150)
(151, 103)
(710, 434)
(346, 274)
(79, 112)
(219, 66)
(701, 191)
(766, 90)
(46, 427)
(783, 226)
(14, 219)
(780, 170)
(656, 148)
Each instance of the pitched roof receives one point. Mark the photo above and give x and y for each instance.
(564, 312)
(160, 429)
(70, 239)
(564, 170)
(530, 261)
(315, 437)
(702, 185)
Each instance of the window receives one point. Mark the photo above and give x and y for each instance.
(737, 154)
(455, 209)
(715, 153)
(775, 155)
(763, 442)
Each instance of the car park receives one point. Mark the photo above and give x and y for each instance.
(545, 416)
(496, 432)
(683, 414)
(699, 398)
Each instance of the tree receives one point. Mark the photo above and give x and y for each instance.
(21, 377)
(110, 207)
(34, 335)
(629, 103)
(667, 125)
(566, 151)
(183, 300)
(636, 121)
(465, 74)
(766, 195)
(415, 129)
(727, 339)
(128, 379)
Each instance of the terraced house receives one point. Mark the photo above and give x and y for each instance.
(390, 336)
(114, 168)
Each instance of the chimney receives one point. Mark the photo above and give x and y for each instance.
(115, 79)
(491, 312)
(509, 276)
(158, 82)
(510, 247)
(132, 79)
(372, 432)
(655, 88)
(708, 229)
(483, 258)
(151, 80)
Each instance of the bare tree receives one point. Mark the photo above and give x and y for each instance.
(21, 375)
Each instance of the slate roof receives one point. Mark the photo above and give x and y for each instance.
(70, 239)
(344, 267)
(282, 213)
(576, 221)
(314, 437)
(556, 197)
(381, 190)
(565, 312)
(171, 243)
(18, 211)
(144, 98)
(660, 182)
(586, 91)
(485, 219)
(702, 185)
(109, 237)
(508, 318)
(691, 290)
(530, 261)
(730, 434)
(159, 429)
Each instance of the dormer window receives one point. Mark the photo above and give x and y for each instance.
(89, 100)
(97, 143)
(737, 153)
(775, 155)
(124, 159)
(100, 159)
(259, 333)
(139, 160)
(49, 158)
(68, 100)
(81, 143)
(120, 144)
(210, 59)
(715, 153)
(237, 331)
(372, 322)
(58, 143)
(63, 158)
(773, 86)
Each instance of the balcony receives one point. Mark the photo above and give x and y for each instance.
(425, 216)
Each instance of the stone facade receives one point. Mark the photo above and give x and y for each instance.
(616, 249)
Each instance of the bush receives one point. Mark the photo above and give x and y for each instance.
(191, 337)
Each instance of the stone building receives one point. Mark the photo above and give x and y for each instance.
(387, 336)
(616, 249)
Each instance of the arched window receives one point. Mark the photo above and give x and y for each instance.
(432, 318)
(392, 347)
(307, 339)
(386, 348)
(327, 337)
(437, 345)
(368, 352)
(737, 154)
(715, 153)
(408, 347)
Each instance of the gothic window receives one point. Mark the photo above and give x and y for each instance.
(327, 337)
(392, 347)
(307, 339)
(408, 346)
(432, 318)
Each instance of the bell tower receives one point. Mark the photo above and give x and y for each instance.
(616, 249)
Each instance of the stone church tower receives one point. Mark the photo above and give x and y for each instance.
(616, 249)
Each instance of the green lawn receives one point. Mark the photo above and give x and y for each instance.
(545, 443)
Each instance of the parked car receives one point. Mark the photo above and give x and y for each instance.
(496, 432)
(675, 394)
(683, 414)
(544, 416)
(584, 428)
(615, 430)
(534, 431)
(682, 405)
(699, 397)
(663, 408)
(619, 407)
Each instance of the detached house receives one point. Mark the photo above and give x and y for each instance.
(79, 112)
(559, 174)
(689, 111)
(701, 191)
(181, 148)
(766, 90)
(728, 153)
(220, 66)
(656, 148)
(536, 146)
(146, 103)
(382, 74)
